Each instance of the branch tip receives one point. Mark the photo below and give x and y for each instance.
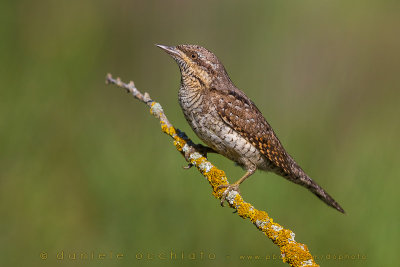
(108, 78)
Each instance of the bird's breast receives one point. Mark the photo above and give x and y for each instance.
(212, 130)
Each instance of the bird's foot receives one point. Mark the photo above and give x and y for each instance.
(196, 148)
(229, 188)
(187, 167)
(186, 154)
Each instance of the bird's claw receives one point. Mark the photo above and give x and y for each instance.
(229, 188)
(187, 167)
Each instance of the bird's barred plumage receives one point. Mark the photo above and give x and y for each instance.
(240, 113)
(230, 123)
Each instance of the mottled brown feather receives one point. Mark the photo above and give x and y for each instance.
(241, 114)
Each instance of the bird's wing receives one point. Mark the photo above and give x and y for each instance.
(242, 115)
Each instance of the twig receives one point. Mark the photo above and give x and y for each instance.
(292, 252)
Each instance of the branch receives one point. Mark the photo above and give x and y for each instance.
(292, 252)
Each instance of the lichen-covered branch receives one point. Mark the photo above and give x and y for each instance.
(294, 253)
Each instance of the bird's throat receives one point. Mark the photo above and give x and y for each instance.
(195, 79)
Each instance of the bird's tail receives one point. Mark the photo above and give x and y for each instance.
(303, 179)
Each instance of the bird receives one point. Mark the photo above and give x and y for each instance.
(230, 124)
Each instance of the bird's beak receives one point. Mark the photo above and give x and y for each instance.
(172, 50)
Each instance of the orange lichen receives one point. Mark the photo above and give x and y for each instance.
(294, 253)
(179, 142)
(243, 210)
(297, 255)
(259, 215)
(283, 237)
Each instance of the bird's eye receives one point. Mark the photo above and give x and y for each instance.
(194, 56)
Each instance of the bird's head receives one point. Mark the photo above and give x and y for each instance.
(198, 66)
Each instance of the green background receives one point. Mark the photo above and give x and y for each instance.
(85, 168)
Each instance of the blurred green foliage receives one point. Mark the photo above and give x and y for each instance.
(85, 168)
